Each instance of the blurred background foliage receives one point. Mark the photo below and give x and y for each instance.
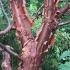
(58, 57)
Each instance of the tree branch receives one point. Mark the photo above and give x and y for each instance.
(7, 18)
(48, 24)
(22, 21)
(59, 12)
(64, 23)
(8, 49)
(6, 63)
(62, 11)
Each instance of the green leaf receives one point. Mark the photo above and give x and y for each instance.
(65, 54)
(65, 66)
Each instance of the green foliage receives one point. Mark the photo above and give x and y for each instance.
(36, 26)
(10, 39)
(65, 54)
(65, 66)
(1, 15)
(65, 61)
(32, 7)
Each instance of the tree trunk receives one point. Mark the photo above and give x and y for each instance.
(33, 48)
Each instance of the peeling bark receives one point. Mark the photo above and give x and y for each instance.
(32, 48)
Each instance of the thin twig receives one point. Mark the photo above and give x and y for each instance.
(1, 49)
(8, 49)
(64, 10)
(61, 11)
(64, 23)
(7, 19)
(39, 12)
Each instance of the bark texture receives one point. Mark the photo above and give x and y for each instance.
(6, 64)
(33, 48)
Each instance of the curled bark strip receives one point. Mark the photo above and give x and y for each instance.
(7, 18)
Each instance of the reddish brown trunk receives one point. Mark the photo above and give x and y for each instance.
(32, 49)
